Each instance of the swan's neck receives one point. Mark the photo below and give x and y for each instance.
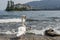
(23, 20)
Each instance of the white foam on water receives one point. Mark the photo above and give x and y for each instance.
(10, 20)
(41, 32)
(36, 31)
(56, 29)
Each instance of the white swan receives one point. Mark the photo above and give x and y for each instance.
(22, 29)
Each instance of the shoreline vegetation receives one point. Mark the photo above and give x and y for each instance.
(24, 9)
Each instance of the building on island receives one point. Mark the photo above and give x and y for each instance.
(10, 5)
(18, 7)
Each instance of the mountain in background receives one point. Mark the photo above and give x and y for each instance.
(45, 4)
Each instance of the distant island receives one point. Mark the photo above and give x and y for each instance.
(34, 5)
(17, 7)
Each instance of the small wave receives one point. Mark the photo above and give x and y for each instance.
(35, 32)
(54, 17)
(32, 20)
(10, 20)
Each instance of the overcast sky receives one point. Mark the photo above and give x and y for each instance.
(3, 3)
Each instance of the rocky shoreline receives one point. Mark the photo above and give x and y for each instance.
(31, 37)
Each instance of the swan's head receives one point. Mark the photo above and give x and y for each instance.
(23, 18)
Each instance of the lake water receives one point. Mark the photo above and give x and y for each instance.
(38, 20)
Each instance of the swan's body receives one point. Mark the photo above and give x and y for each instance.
(21, 31)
